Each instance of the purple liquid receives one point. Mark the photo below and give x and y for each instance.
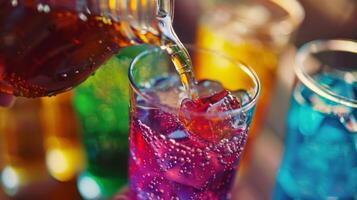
(181, 156)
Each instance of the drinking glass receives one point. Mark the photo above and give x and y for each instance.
(182, 147)
(320, 158)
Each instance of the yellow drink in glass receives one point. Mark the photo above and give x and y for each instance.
(255, 32)
(64, 151)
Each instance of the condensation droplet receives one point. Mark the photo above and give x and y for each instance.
(46, 8)
(14, 3)
(39, 7)
(83, 17)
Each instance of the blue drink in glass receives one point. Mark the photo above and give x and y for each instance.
(320, 158)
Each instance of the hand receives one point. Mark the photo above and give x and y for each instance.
(6, 100)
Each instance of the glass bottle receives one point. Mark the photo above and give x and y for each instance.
(50, 46)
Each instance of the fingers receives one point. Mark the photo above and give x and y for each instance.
(6, 100)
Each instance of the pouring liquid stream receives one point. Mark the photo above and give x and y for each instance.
(179, 55)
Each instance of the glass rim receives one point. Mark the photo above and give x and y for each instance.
(341, 45)
(295, 13)
(248, 70)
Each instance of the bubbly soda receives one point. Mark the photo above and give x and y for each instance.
(187, 150)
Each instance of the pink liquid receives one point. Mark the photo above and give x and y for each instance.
(184, 156)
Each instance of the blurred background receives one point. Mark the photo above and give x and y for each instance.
(64, 147)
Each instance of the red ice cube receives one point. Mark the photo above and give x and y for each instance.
(208, 127)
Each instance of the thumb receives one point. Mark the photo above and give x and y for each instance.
(6, 100)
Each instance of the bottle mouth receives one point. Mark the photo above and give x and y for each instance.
(338, 57)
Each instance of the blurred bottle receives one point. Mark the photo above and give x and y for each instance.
(64, 152)
(255, 32)
(21, 146)
(102, 105)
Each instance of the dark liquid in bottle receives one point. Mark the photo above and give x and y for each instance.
(45, 50)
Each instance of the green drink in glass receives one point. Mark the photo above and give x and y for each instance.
(102, 107)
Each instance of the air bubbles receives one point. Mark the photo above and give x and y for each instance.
(46, 9)
(243, 96)
(14, 3)
(40, 7)
(64, 75)
(43, 8)
(82, 17)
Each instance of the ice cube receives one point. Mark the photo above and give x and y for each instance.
(337, 85)
(147, 98)
(349, 121)
(190, 166)
(169, 91)
(227, 125)
(211, 128)
(166, 83)
(331, 132)
(207, 88)
(242, 95)
(226, 103)
(192, 113)
(178, 134)
(310, 119)
(184, 160)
